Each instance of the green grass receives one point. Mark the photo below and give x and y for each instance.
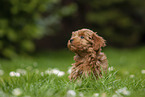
(125, 62)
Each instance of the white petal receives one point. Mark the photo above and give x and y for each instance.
(143, 71)
(126, 92)
(17, 92)
(115, 95)
(1, 72)
(42, 73)
(61, 73)
(12, 73)
(132, 76)
(55, 71)
(71, 93)
(21, 71)
(17, 74)
(48, 72)
(111, 68)
(96, 94)
(81, 94)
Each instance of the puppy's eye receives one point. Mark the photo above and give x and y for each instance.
(90, 38)
(82, 37)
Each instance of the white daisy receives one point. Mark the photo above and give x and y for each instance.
(55, 71)
(96, 94)
(12, 73)
(48, 72)
(81, 94)
(21, 71)
(17, 92)
(1, 72)
(115, 95)
(71, 93)
(143, 71)
(111, 68)
(60, 73)
(17, 74)
(132, 76)
(42, 73)
(123, 91)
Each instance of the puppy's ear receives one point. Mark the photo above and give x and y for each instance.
(98, 42)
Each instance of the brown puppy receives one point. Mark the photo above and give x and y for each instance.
(89, 58)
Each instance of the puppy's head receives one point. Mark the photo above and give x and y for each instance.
(83, 39)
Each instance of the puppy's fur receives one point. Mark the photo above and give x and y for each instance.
(88, 59)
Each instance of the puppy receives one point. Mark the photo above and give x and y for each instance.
(86, 44)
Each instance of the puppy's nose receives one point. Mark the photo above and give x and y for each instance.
(71, 40)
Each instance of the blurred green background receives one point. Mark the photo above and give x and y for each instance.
(29, 26)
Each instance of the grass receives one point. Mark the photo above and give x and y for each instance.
(125, 62)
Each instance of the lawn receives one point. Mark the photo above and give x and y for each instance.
(46, 75)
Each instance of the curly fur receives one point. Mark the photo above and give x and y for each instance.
(88, 59)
